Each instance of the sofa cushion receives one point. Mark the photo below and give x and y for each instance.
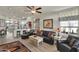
(69, 38)
(49, 34)
(72, 41)
(45, 33)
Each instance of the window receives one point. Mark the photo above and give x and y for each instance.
(74, 23)
(64, 23)
(74, 30)
(69, 26)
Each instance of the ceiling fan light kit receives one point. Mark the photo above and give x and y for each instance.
(34, 9)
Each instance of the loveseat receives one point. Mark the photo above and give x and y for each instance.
(47, 37)
(71, 44)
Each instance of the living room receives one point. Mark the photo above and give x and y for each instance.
(39, 28)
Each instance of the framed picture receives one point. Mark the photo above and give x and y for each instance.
(48, 23)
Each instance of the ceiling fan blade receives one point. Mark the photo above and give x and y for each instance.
(29, 7)
(32, 6)
(39, 8)
(38, 11)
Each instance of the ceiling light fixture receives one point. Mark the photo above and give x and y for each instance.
(33, 11)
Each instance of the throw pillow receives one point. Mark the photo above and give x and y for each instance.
(49, 34)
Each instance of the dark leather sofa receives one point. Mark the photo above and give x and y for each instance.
(46, 38)
(27, 34)
(69, 45)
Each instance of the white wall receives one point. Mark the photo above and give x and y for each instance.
(32, 20)
(55, 16)
(55, 21)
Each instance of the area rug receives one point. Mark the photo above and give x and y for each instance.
(16, 46)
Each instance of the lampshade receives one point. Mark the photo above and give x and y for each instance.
(58, 30)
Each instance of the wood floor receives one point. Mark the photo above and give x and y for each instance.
(43, 48)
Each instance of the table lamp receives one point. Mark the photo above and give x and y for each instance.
(58, 30)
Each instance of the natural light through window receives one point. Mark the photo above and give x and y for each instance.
(69, 26)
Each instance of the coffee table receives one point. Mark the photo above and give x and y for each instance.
(36, 40)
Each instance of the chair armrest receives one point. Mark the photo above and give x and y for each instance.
(64, 47)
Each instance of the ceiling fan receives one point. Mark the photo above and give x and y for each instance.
(34, 9)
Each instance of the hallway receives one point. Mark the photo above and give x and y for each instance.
(8, 38)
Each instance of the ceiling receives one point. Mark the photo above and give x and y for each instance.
(54, 8)
(22, 11)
